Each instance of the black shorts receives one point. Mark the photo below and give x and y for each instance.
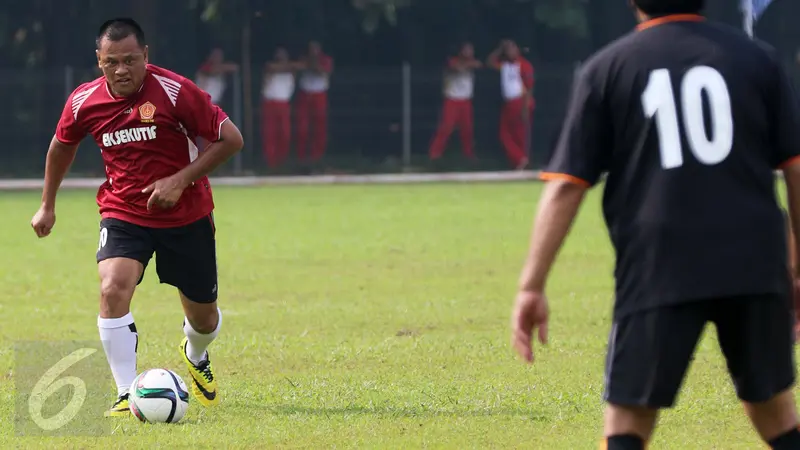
(649, 352)
(186, 256)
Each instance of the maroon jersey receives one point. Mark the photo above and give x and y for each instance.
(145, 137)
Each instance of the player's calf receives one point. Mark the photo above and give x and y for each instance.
(628, 428)
(776, 420)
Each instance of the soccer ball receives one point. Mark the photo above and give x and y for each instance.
(158, 396)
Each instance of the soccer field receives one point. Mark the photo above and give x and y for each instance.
(357, 317)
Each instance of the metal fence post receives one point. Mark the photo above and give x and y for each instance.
(237, 117)
(406, 115)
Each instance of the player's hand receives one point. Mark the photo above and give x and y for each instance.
(164, 193)
(531, 312)
(43, 221)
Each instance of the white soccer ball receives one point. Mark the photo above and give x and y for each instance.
(158, 396)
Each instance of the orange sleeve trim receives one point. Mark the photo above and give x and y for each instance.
(671, 18)
(552, 176)
(789, 162)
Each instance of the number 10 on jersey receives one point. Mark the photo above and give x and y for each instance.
(659, 102)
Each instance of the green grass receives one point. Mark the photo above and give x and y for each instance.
(359, 317)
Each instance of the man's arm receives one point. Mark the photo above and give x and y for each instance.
(279, 67)
(474, 64)
(791, 174)
(59, 159)
(63, 147)
(785, 114)
(493, 60)
(323, 64)
(558, 208)
(461, 65)
(580, 157)
(214, 155)
(790, 240)
(527, 85)
(229, 67)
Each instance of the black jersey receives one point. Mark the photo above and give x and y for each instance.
(689, 120)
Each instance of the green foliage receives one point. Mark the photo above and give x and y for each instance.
(375, 10)
(569, 15)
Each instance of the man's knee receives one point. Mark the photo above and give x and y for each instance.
(118, 279)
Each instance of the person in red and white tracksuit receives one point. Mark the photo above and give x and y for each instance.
(276, 109)
(516, 80)
(459, 84)
(312, 104)
(211, 78)
(211, 75)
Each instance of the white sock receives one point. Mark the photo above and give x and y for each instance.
(198, 342)
(120, 341)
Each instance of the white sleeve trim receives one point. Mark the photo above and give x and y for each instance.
(219, 132)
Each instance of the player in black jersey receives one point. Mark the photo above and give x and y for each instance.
(689, 119)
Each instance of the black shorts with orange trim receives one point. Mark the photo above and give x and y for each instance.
(649, 352)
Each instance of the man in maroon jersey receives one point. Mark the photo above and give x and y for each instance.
(156, 198)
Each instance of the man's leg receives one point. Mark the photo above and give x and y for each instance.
(648, 354)
(122, 255)
(756, 335)
(445, 128)
(302, 118)
(284, 131)
(269, 133)
(466, 129)
(510, 126)
(319, 111)
(186, 259)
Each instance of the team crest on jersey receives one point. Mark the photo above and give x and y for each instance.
(147, 112)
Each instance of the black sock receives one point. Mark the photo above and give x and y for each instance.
(787, 441)
(624, 442)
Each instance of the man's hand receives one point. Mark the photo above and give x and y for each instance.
(531, 311)
(164, 193)
(43, 221)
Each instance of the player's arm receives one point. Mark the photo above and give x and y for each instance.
(326, 65)
(229, 67)
(455, 65)
(229, 143)
(60, 156)
(527, 85)
(204, 119)
(493, 60)
(791, 174)
(63, 147)
(786, 139)
(279, 67)
(474, 64)
(558, 208)
(580, 158)
(791, 241)
(321, 64)
(59, 159)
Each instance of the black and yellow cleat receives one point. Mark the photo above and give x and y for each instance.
(121, 407)
(204, 385)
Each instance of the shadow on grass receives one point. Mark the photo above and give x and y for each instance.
(392, 412)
